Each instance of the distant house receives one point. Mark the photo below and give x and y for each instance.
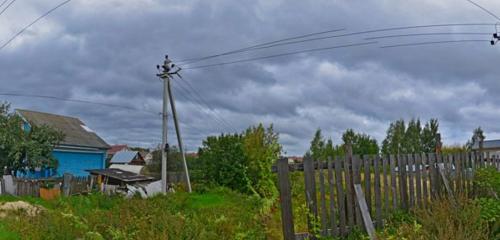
(127, 158)
(490, 147)
(81, 147)
(116, 148)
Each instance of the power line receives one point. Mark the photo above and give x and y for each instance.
(281, 43)
(484, 9)
(206, 103)
(426, 34)
(282, 54)
(32, 23)
(434, 42)
(374, 31)
(4, 1)
(217, 119)
(77, 101)
(8, 5)
(193, 60)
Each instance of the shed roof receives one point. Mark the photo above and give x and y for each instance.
(487, 144)
(121, 175)
(76, 133)
(124, 156)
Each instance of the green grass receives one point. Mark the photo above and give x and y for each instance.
(215, 214)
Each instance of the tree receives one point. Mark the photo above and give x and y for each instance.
(24, 149)
(174, 163)
(262, 149)
(394, 141)
(317, 147)
(412, 139)
(362, 144)
(430, 135)
(477, 137)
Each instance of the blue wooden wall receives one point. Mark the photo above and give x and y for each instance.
(77, 162)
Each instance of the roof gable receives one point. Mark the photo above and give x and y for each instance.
(124, 156)
(76, 133)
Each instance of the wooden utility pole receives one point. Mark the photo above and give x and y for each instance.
(166, 75)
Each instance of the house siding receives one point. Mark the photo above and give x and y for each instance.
(77, 162)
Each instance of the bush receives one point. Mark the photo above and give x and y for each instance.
(487, 182)
(242, 161)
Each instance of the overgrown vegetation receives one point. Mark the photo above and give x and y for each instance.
(217, 214)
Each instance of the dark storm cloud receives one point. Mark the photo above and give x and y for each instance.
(106, 51)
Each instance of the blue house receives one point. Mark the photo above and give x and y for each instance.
(81, 147)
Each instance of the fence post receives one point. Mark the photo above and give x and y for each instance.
(67, 184)
(310, 184)
(285, 199)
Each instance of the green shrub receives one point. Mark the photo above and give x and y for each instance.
(487, 182)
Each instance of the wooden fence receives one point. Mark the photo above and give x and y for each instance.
(31, 187)
(333, 187)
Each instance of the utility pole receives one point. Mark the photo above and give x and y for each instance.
(166, 75)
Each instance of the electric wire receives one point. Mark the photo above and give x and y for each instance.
(286, 42)
(433, 43)
(1, 4)
(372, 31)
(205, 102)
(199, 107)
(484, 9)
(193, 60)
(77, 101)
(8, 5)
(34, 22)
(427, 34)
(282, 54)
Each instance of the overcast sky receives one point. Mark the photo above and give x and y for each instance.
(106, 51)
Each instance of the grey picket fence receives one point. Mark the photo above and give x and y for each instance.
(31, 187)
(387, 182)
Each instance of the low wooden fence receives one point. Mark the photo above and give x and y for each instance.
(31, 187)
(334, 187)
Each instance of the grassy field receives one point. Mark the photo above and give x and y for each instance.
(215, 214)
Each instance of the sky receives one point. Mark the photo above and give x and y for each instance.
(107, 52)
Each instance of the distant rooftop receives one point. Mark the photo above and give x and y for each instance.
(123, 156)
(487, 144)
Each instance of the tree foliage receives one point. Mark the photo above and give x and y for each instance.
(242, 161)
(362, 144)
(411, 138)
(25, 150)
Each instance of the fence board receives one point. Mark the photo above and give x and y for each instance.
(310, 188)
(356, 167)
(385, 173)
(340, 195)
(285, 191)
(378, 200)
(418, 178)
(425, 179)
(392, 163)
(333, 220)
(323, 210)
(411, 177)
(349, 191)
(367, 178)
(403, 181)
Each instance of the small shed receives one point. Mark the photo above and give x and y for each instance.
(114, 176)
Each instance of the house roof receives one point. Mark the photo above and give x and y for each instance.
(116, 148)
(487, 144)
(76, 133)
(123, 157)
